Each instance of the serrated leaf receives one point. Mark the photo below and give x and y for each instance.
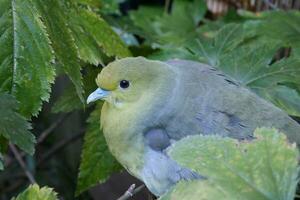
(13, 126)
(264, 168)
(98, 31)
(25, 56)
(88, 48)
(34, 192)
(54, 15)
(97, 163)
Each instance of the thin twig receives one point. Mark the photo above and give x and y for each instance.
(62, 144)
(50, 129)
(41, 138)
(131, 191)
(22, 163)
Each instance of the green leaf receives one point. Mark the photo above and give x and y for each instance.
(196, 190)
(248, 60)
(13, 126)
(210, 50)
(171, 29)
(69, 100)
(278, 26)
(175, 53)
(54, 16)
(97, 163)
(264, 168)
(284, 97)
(250, 65)
(25, 56)
(98, 31)
(88, 48)
(34, 192)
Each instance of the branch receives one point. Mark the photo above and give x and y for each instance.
(22, 163)
(131, 191)
(42, 137)
(62, 144)
(49, 130)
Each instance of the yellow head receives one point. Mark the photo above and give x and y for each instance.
(125, 81)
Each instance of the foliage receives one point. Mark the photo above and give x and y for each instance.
(69, 101)
(14, 126)
(37, 193)
(265, 168)
(251, 65)
(41, 40)
(244, 51)
(172, 28)
(26, 55)
(97, 163)
(38, 37)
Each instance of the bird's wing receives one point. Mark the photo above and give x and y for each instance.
(213, 103)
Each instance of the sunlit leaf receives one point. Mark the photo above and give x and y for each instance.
(25, 56)
(34, 192)
(262, 169)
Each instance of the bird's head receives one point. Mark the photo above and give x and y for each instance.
(124, 81)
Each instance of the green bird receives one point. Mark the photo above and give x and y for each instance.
(151, 104)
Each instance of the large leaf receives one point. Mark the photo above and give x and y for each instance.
(250, 65)
(278, 26)
(100, 32)
(97, 163)
(54, 16)
(34, 192)
(92, 34)
(25, 56)
(13, 126)
(211, 50)
(197, 190)
(265, 168)
(238, 54)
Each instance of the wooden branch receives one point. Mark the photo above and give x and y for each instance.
(131, 191)
(50, 129)
(62, 144)
(22, 163)
(42, 137)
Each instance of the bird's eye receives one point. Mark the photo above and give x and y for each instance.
(124, 84)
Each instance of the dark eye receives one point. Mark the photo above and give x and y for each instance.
(124, 84)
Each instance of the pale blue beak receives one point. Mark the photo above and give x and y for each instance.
(97, 94)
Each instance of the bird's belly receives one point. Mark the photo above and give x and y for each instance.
(159, 172)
